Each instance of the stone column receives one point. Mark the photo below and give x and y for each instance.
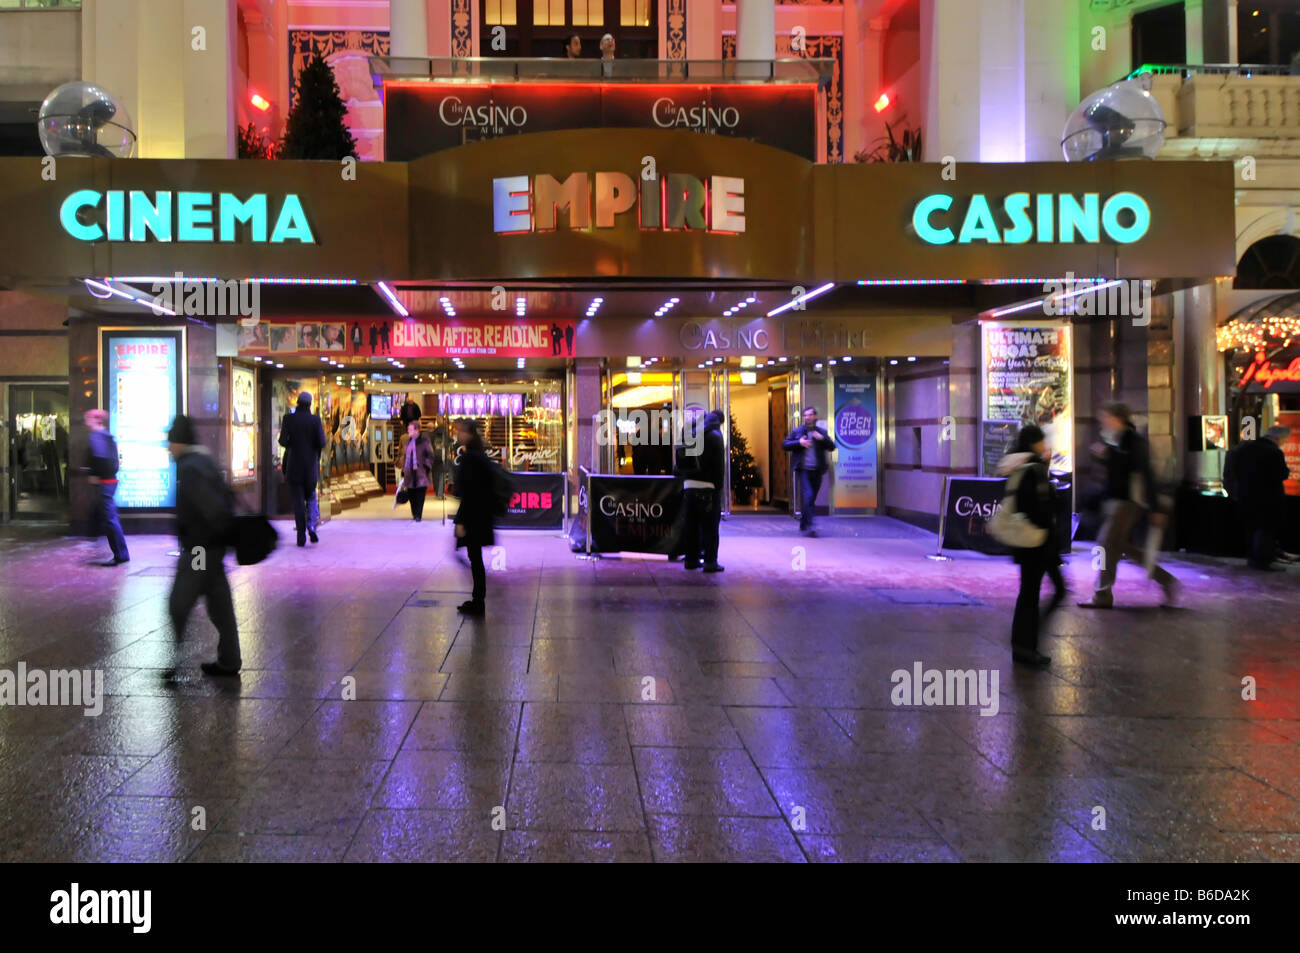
(1201, 383)
(408, 26)
(587, 403)
(755, 36)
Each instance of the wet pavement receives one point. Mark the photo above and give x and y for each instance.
(630, 710)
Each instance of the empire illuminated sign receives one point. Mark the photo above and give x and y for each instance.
(1044, 218)
(133, 216)
(522, 204)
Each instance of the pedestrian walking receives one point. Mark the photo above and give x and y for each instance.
(417, 469)
(1254, 473)
(204, 519)
(1129, 494)
(810, 446)
(474, 518)
(1029, 486)
(102, 463)
(303, 438)
(703, 476)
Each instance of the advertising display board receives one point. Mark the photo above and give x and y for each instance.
(243, 424)
(412, 337)
(996, 438)
(142, 386)
(1027, 378)
(634, 514)
(536, 501)
(855, 440)
(1291, 448)
(971, 502)
(420, 118)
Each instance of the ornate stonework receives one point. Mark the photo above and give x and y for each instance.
(304, 44)
(462, 28)
(676, 31)
(815, 47)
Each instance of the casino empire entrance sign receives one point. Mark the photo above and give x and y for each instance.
(524, 204)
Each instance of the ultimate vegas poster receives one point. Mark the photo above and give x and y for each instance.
(1028, 379)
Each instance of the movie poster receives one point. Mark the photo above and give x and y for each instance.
(1028, 380)
(141, 377)
(243, 423)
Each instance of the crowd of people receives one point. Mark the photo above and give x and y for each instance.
(1254, 474)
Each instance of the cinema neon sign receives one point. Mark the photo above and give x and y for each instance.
(524, 204)
(1044, 218)
(133, 216)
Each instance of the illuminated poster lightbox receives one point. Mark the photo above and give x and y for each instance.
(142, 388)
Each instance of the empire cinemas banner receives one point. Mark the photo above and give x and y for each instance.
(536, 501)
(634, 514)
(420, 118)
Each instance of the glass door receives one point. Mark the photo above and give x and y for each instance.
(38, 452)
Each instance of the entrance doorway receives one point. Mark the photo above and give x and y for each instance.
(38, 452)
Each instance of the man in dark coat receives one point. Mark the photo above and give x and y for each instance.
(302, 435)
(1254, 473)
(204, 514)
(703, 477)
(474, 530)
(102, 463)
(810, 446)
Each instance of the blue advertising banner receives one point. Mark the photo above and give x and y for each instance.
(141, 381)
(856, 477)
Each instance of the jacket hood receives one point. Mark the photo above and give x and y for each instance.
(1013, 461)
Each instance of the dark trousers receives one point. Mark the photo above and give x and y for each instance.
(477, 571)
(1025, 623)
(301, 494)
(810, 482)
(109, 521)
(700, 527)
(211, 583)
(416, 496)
(1261, 542)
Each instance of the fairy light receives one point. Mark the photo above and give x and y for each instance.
(1277, 330)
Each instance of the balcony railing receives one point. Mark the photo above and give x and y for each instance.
(514, 69)
(1212, 69)
(1222, 101)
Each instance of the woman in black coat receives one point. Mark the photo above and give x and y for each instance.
(477, 504)
(1034, 498)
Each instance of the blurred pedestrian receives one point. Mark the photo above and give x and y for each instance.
(102, 463)
(417, 468)
(474, 518)
(1130, 493)
(809, 446)
(303, 437)
(1254, 473)
(204, 518)
(1028, 480)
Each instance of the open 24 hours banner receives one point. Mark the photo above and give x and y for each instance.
(855, 443)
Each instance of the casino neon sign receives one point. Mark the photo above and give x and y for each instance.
(522, 204)
(134, 216)
(1044, 218)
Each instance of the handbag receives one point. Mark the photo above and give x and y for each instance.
(253, 537)
(402, 496)
(1009, 526)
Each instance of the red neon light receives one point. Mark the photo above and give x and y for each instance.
(882, 103)
(442, 86)
(1262, 371)
(259, 102)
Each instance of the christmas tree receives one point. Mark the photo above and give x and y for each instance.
(253, 144)
(745, 478)
(315, 128)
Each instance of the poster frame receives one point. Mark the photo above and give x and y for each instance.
(1060, 324)
(177, 333)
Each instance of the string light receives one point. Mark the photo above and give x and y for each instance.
(1277, 330)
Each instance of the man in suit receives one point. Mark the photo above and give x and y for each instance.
(302, 435)
(810, 446)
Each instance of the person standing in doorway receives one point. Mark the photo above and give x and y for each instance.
(204, 515)
(1025, 468)
(474, 518)
(810, 445)
(703, 477)
(1255, 472)
(417, 469)
(303, 437)
(102, 463)
(1129, 492)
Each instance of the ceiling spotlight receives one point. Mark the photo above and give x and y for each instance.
(893, 360)
(911, 360)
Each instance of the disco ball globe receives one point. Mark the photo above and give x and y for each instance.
(1122, 121)
(82, 119)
